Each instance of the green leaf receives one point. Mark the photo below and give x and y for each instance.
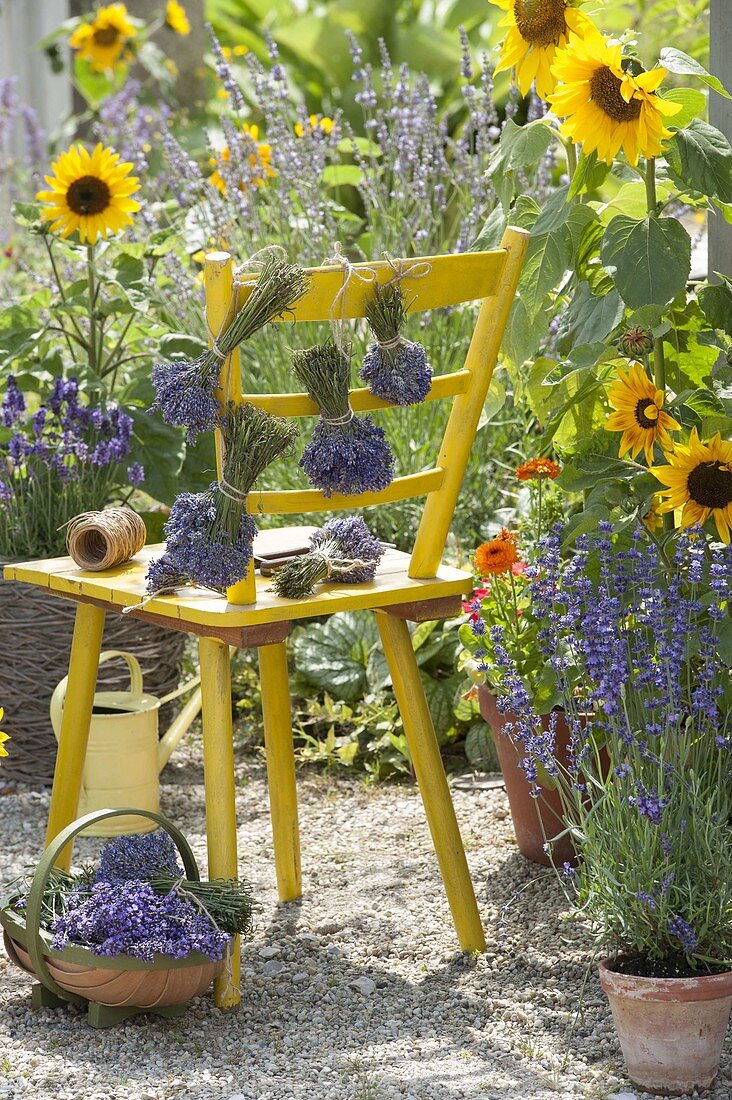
(492, 232)
(677, 62)
(27, 215)
(479, 747)
(525, 212)
(589, 175)
(547, 260)
(652, 259)
(700, 159)
(524, 334)
(333, 655)
(440, 698)
(555, 211)
(592, 318)
(366, 147)
(130, 272)
(716, 304)
(693, 103)
(342, 175)
(585, 470)
(179, 345)
(160, 449)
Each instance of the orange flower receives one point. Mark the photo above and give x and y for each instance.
(538, 468)
(498, 555)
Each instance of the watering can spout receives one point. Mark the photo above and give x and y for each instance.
(180, 724)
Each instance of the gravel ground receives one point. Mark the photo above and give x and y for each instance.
(358, 992)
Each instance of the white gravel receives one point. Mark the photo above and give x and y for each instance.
(357, 993)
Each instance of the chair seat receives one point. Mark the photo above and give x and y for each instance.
(124, 586)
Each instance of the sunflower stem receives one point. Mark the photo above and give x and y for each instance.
(93, 359)
(650, 178)
(571, 149)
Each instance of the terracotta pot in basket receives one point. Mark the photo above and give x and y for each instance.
(113, 987)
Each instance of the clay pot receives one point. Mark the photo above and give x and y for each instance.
(671, 1030)
(534, 819)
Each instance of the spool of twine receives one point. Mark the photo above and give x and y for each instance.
(100, 540)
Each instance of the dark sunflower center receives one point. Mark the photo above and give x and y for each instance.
(605, 89)
(641, 413)
(106, 36)
(88, 195)
(710, 484)
(540, 22)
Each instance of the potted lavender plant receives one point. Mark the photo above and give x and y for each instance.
(647, 626)
(65, 457)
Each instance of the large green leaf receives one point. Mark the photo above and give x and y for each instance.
(592, 318)
(547, 260)
(441, 701)
(678, 62)
(492, 231)
(693, 103)
(160, 449)
(523, 334)
(652, 259)
(700, 159)
(333, 655)
(716, 303)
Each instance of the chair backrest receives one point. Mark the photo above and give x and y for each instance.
(489, 277)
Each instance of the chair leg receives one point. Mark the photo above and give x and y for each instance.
(281, 768)
(74, 734)
(428, 767)
(218, 769)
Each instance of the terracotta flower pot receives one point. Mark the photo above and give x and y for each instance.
(535, 820)
(671, 1030)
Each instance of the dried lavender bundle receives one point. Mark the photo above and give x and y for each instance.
(347, 453)
(344, 550)
(185, 391)
(209, 535)
(394, 368)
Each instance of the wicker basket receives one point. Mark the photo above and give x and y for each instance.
(36, 630)
(112, 988)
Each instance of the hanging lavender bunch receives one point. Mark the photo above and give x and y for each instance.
(209, 535)
(394, 368)
(347, 453)
(185, 391)
(344, 550)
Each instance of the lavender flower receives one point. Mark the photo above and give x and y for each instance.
(648, 803)
(394, 369)
(138, 857)
(684, 933)
(135, 474)
(344, 550)
(349, 458)
(184, 393)
(129, 918)
(646, 898)
(13, 405)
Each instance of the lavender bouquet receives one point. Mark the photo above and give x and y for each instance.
(209, 535)
(647, 795)
(394, 368)
(344, 550)
(347, 453)
(185, 391)
(64, 458)
(138, 902)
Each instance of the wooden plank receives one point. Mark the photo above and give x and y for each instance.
(452, 280)
(424, 611)
(720, 115)
(362, 400)
(288, 502)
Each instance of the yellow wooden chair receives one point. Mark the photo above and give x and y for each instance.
(414, 587)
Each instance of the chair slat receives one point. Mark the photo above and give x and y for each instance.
(465, 277)
(288, 502)
(300, 404)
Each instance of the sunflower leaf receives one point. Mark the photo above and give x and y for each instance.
(652, 259)
(700, 159)
(678, 62)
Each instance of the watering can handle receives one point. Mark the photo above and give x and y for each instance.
(59, 694)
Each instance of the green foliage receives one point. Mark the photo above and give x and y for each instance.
(651, 258)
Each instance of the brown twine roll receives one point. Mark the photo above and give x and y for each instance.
(100, 540)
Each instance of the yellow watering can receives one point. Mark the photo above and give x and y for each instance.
(124, 756)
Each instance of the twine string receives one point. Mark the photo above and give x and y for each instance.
(231, 491)
(339, 421)
(406, 269)
(100, 540)
(337, 313)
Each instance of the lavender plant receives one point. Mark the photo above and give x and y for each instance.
(647, 794)
(347, 453)
(344, 550)
(394, 368)
(185, 391)
(64, 458)
(209, 535)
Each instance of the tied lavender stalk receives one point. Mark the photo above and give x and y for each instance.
(185, 391)
(344, 551)
(347, 453)
(209, 535)
(394, 369)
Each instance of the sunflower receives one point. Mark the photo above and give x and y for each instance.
(699, 479)
(605, 107)
(496, 556)
(3, 736)
(535, 29)
(89, 192)
(176, 18)
(259, 158)
(538, 469)
(316, 124)
(639, 414)
(103, 42)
